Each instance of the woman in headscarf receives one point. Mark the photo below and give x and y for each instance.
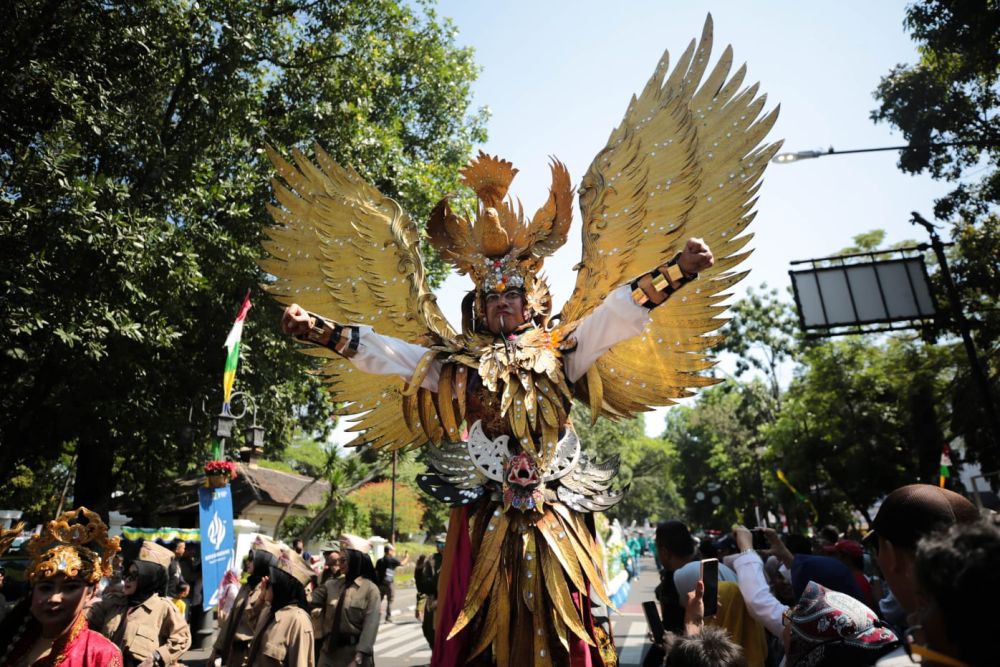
(830, 629)
(49, 627)
(351, 615)
(236, 633)
(144, 624)
(285, 637)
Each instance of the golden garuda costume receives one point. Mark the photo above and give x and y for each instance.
(522, 560)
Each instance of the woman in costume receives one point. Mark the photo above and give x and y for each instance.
(232, 645)
(350, 609)
(677, 176)
(49, 628)
(144, 624)
(285, 637)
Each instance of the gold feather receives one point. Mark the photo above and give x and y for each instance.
(484, 571)
(562, 601)
(340, 248)
(686, 161)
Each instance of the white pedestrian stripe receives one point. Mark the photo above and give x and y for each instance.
(406, 640)
(397, 640)
(630, 638)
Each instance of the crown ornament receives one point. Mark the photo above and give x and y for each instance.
(75, 544)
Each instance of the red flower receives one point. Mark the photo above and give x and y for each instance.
(227, 468)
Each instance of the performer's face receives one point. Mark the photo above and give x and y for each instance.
(505, 311)
(56, 602)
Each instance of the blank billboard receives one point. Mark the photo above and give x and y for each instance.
(864, 293)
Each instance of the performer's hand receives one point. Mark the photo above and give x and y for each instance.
(696, 257)
(296, 321)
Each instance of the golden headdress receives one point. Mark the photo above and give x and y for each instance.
(75, 544)
(8, 535)
(501, 250)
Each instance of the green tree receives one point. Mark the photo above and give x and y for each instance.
(648, 465)
(376, 500)
(861, 419)
(947, 105)
(132, 202)
(763, 332)
(721, 447)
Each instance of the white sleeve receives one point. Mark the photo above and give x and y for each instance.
(618, 318)
(757, 596)
(385, 355)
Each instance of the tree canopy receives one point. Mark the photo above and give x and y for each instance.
(133, 187)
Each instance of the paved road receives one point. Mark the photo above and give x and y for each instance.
(401, 643)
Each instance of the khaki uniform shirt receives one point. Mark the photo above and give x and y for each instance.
(361, 610)
(287, 642)
(245, 621)
(154, 625)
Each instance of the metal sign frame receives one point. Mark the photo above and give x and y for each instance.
(907, 256)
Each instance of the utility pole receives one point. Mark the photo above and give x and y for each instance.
(392, 519)
(978, 373)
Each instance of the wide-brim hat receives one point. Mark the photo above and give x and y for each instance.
(295, 565)
(265, 543)
(348, 541)
(151, 552)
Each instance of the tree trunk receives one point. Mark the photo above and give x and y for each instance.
(94, 479)
(335, 498)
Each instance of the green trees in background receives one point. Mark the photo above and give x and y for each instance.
(132, 202)
(947, 105)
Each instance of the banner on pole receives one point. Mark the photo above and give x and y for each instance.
(216, 522)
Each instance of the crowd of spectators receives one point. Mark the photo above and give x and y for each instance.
(916, 588)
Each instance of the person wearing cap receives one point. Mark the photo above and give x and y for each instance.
(827, 628)
(285, 637)
(144, 624)
(385, 573)
(906, 515)
(49, 627)
(349, 608)
(232, 644)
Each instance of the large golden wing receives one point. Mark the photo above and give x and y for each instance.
(685, 162)
(342, 249)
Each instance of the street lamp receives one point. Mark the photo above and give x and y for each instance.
(785, 158)
(225, 422)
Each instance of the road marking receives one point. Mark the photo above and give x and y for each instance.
(403, 642)
(630, 638)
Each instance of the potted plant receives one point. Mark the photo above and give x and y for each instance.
(218, 473)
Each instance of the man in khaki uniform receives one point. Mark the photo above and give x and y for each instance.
(285, 639)
(145, 625)
(232, 645)
(353, 642)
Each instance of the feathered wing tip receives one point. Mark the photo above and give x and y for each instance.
(549, 227)
(451, 235)
(489, 177)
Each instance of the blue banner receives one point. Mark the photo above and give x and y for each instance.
(216, 522)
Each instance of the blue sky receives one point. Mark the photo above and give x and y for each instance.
(557, 77)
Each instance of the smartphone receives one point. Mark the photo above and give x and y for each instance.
(760, 540)
(710, 577)
(653, 620)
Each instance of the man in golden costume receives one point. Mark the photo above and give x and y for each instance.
(677, 177)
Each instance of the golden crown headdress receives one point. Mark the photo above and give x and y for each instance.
(8, 535)
(500, 249)
(75, 544)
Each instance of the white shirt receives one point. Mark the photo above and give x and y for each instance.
(618, 318)
(760, 601)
